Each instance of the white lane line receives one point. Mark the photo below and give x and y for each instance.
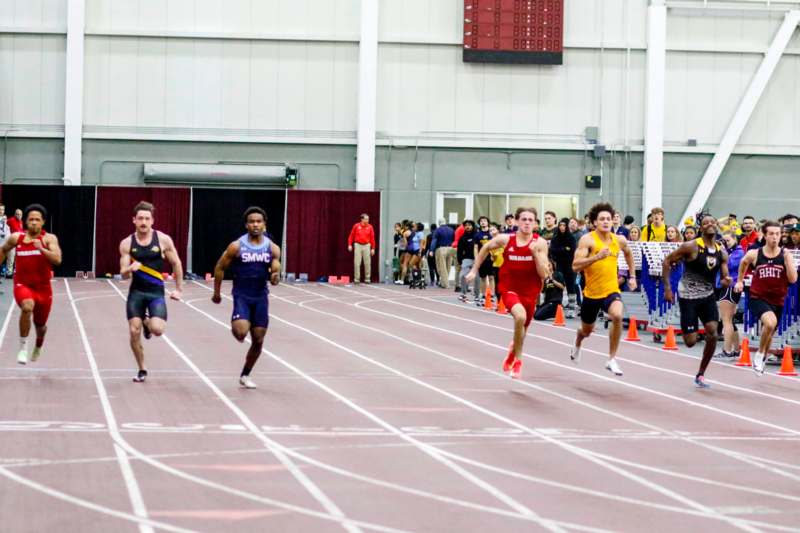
(44, 489)
(134, 492)
(224, 488)
(758, 462)
(581, 452)
(717, 364)
(753, 461)
(6, 321)
(271, 445)
(429, 450)
(532, 479)
(577, 369)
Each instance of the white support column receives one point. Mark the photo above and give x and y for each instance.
(743, 113)
(654, 111)
(367, 95)
(73, 105)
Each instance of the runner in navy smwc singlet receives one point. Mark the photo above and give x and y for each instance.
(255, 260)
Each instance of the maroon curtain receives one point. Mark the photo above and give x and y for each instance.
(317, 226)
(115, 220)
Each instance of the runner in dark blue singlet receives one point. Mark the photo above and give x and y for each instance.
(254, 260)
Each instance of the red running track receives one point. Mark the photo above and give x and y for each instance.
(379, 409)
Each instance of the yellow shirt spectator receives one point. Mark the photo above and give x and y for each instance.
(497, 257)
(654, 233)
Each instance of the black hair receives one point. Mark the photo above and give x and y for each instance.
(420, 226)
(254, 209)
(596, 209)
(628, 219)
(469, 221)
(482, 217)
(34, 207)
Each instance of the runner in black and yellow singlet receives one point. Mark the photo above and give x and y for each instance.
(596, 259)
(142, 258)
(703, 259)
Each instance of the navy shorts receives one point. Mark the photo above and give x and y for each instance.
(254, 309)
(142, 304)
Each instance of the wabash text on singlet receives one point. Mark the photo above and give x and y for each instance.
(32, 268)
(518, 273)
(251, 267)
(770, 282)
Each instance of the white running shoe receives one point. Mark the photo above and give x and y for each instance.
(22, 356)
(37, 352)
(575, 355)
(613, 367)
(758, 363)
(247, 383)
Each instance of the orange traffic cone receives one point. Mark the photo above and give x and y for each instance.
(744, 358)
(487, 302)
(670, 343)
(501, 307)
(787, 365)
(559, 317)
(633, 331)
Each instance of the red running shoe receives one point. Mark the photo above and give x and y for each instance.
(516, 370)
(509, 361)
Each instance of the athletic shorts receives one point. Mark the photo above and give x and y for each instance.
(728, 295)
(254, 309)
(703, 309)
(42, 301)
(591, 307)
(510, 299)
(759, 307)
(142, 304)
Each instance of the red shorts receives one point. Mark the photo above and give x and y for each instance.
(42, 301)
(511, 298)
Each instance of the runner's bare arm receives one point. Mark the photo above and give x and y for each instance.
(582, 259)
(52, 252)
(748, 259)
(791, 268)
(171, 255)
(223, 263)
(623, 244)
(275, 267)
(126, 266)
(540, 251)
(9, 245)
(498, 241)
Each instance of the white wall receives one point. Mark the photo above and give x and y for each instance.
(287, 70)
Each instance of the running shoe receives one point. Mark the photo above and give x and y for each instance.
(37, 352)
(247, 383)
(509, 360)
(772, 359)
(141, 376)
(758, 363)
(463, 298)
(575, 355)
(700, 382)
(22, 356)
(146, 331)
(516, 370)
(613, 367)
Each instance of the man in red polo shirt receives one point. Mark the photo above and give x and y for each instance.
(362, 239)
(750, 235)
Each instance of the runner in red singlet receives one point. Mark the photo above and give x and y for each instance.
(525, 265)
(37, 251)
(773, 271)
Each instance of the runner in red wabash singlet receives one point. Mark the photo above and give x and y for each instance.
(525, 264)
(773, 271)
(36, 253)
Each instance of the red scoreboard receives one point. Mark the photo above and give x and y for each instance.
(514, 31)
